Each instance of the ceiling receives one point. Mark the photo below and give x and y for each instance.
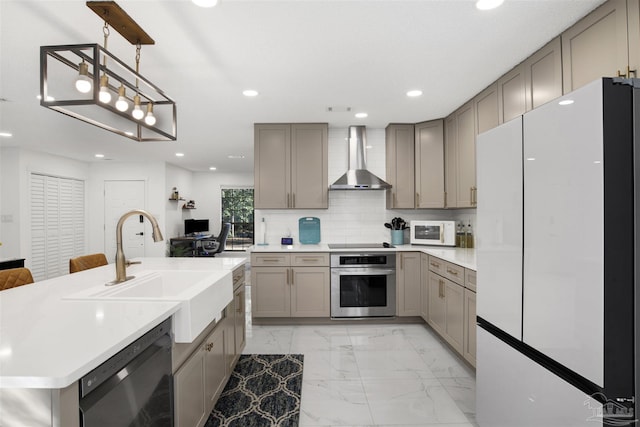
(301, 55)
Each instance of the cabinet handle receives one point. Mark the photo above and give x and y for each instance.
(310, 259)
(288, 200)
(628, 74)
(441, 288)
(240, 304)
(292, 276)
(444, 201)
(417, 200)
(435, 264)
(209, 346)
(270, 259)
(401, 262)
(293, 200)
(287, 276)
(455, 273)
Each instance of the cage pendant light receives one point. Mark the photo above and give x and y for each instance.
(153, 116)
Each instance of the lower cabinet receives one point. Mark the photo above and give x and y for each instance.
(203, 367)
(469, 347)
(424, 286)
(408, 283)
(290, 285)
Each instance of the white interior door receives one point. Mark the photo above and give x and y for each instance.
(119, 198)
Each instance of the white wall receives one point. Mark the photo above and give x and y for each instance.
(353, 216)
(182, 180)
(17, 165)
(206, 193)
(157, 195)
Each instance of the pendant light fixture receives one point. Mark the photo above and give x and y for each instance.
(99, 75)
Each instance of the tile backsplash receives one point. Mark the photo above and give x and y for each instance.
(353, 216)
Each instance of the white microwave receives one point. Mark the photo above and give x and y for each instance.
(442, 233)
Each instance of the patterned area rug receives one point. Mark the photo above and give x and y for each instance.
(264, 390)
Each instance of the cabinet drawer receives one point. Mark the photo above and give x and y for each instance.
(437, 265)
(454, 272)
(310, 259)
(270, 260)
(470, 279)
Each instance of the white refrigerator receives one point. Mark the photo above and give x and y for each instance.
(556, 255)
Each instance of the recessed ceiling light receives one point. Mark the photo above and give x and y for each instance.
(414, 93)
(361, 115)
(235, 156)
(205, 3)
(250, 92)
(488, 4)
(566, 102)
(212, 168)
(179, 154)
(99, 156)
(6, 134)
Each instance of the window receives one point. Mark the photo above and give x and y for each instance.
(237, 209)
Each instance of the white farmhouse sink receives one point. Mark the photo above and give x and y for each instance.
(202, 296)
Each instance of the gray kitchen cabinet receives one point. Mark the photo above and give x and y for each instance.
(543, 75)
(437, 308)
(235, 335)
(429, 164)
(454, 313)
(512, 99)
(408, 284)
(596, 46)
(486, 109)
(460, 157)
(400, 166)
(424, 286)
(290, 285)
(215, 369)
(189, 385)
(290, 166)
(469, 347)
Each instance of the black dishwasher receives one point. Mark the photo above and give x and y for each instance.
(134, 388)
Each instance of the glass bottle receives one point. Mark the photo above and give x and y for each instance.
(469, 233)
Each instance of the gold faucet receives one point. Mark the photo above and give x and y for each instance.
(121, 263)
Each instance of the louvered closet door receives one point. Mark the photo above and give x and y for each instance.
(57, 224)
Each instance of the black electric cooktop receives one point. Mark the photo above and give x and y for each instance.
(359, 245)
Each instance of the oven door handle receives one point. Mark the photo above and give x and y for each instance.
(363, 271)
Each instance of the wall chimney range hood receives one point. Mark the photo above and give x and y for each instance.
(358, 177)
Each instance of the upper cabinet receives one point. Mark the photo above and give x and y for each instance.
(487, 109)
(290, 166)
(460, 157)
(399, 146)
(543, 75)
(429, 165)
(511, 95)
(598, 45)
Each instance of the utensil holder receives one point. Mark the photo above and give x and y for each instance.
(397, 237)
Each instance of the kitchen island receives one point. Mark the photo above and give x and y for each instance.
(49, 339)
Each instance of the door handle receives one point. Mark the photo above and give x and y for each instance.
(140, 233)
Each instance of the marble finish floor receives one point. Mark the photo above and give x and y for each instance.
(374, 375)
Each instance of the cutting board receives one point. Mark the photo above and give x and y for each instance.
(309, 230)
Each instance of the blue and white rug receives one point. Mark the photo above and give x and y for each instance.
(264, 390)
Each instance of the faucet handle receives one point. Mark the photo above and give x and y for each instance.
(129, 262)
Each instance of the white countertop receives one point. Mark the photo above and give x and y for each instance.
(47, 341)
(463, 257)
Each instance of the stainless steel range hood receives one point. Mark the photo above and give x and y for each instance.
(358, 177)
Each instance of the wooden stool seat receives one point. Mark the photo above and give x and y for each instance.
(14, 277)
(86, 262)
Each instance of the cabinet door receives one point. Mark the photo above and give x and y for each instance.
(512, 100)
(310, 292)
(215, 366)
(470, 326)
(189, 386)
(400, 165)
(596, 46)
(240, 329)
(437, 319)
(270, 294)
(543, 75)
(309, 170)
(272, 166)
(451, 161)
(454, 302)
(466, 144)
(486, 109)
(408, 284)
(424, 287)
(429, 165)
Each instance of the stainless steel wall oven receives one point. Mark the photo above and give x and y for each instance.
(363, 284)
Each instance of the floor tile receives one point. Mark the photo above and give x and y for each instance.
(463, 392)
(341, 402)
(444, 363)
(330, 365)
(306, 338)
(391, 364)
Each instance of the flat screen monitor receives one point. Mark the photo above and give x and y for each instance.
(195, 226)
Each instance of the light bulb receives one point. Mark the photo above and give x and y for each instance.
(150, 119)
(121, 103)
(83, 82)
(137, 112)
(104, 96)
